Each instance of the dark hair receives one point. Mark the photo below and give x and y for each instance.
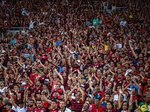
(107, 94)
(110, 103)
(20, 102)
(1, 98)
(63, 101)
(129, 75)
(9, 104)
(54, 101)
(39, 100)
(125, 102)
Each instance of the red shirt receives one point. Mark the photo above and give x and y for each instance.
(101, 93)
(146, 88)
(33, 77)
(11, 83)
(48, 50)
(26, 86)
(40, 110)
(134, 97)
(30, 109)
(93, 108)
(53, 110)
(45, 104)
(4, 110)
(44, 57)
(76, 105)
(60, 91)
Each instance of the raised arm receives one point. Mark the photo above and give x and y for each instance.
(69, 61)
(42, 64)
(25, 97)
(53, 62)
(101, 83)
(124, 88)
(139, 90)
(30, 81)
(82, 92)
(33, 98)
(5, 71)
(119, 98)
(46, 99)
(75, 87)
(95, 77)
(65, 95)
(12, 100)
(18, 61)
(131, 100)
(62, 80)
(135, 55)
(50, 78)
(114, 88)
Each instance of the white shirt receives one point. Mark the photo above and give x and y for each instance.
(31, 25)
(117, 96)
(123, 23)
(2, 89)
(149, 107)
(66, 110)
(113, 8)
(119, 46)
(72, 53)
(127, 72)
(18, 109)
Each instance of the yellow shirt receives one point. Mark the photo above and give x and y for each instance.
(105, 47)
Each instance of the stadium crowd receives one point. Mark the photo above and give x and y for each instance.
(77, 56)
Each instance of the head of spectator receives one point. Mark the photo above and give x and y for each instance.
(39, 103)
(8, 107)
(86, 107)
(62, 105)
(21, 103)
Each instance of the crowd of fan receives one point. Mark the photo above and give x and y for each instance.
(78, 55)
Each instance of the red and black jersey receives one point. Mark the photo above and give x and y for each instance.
(39, 110)
(30, 109)
(76, 105)
(54, 110)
